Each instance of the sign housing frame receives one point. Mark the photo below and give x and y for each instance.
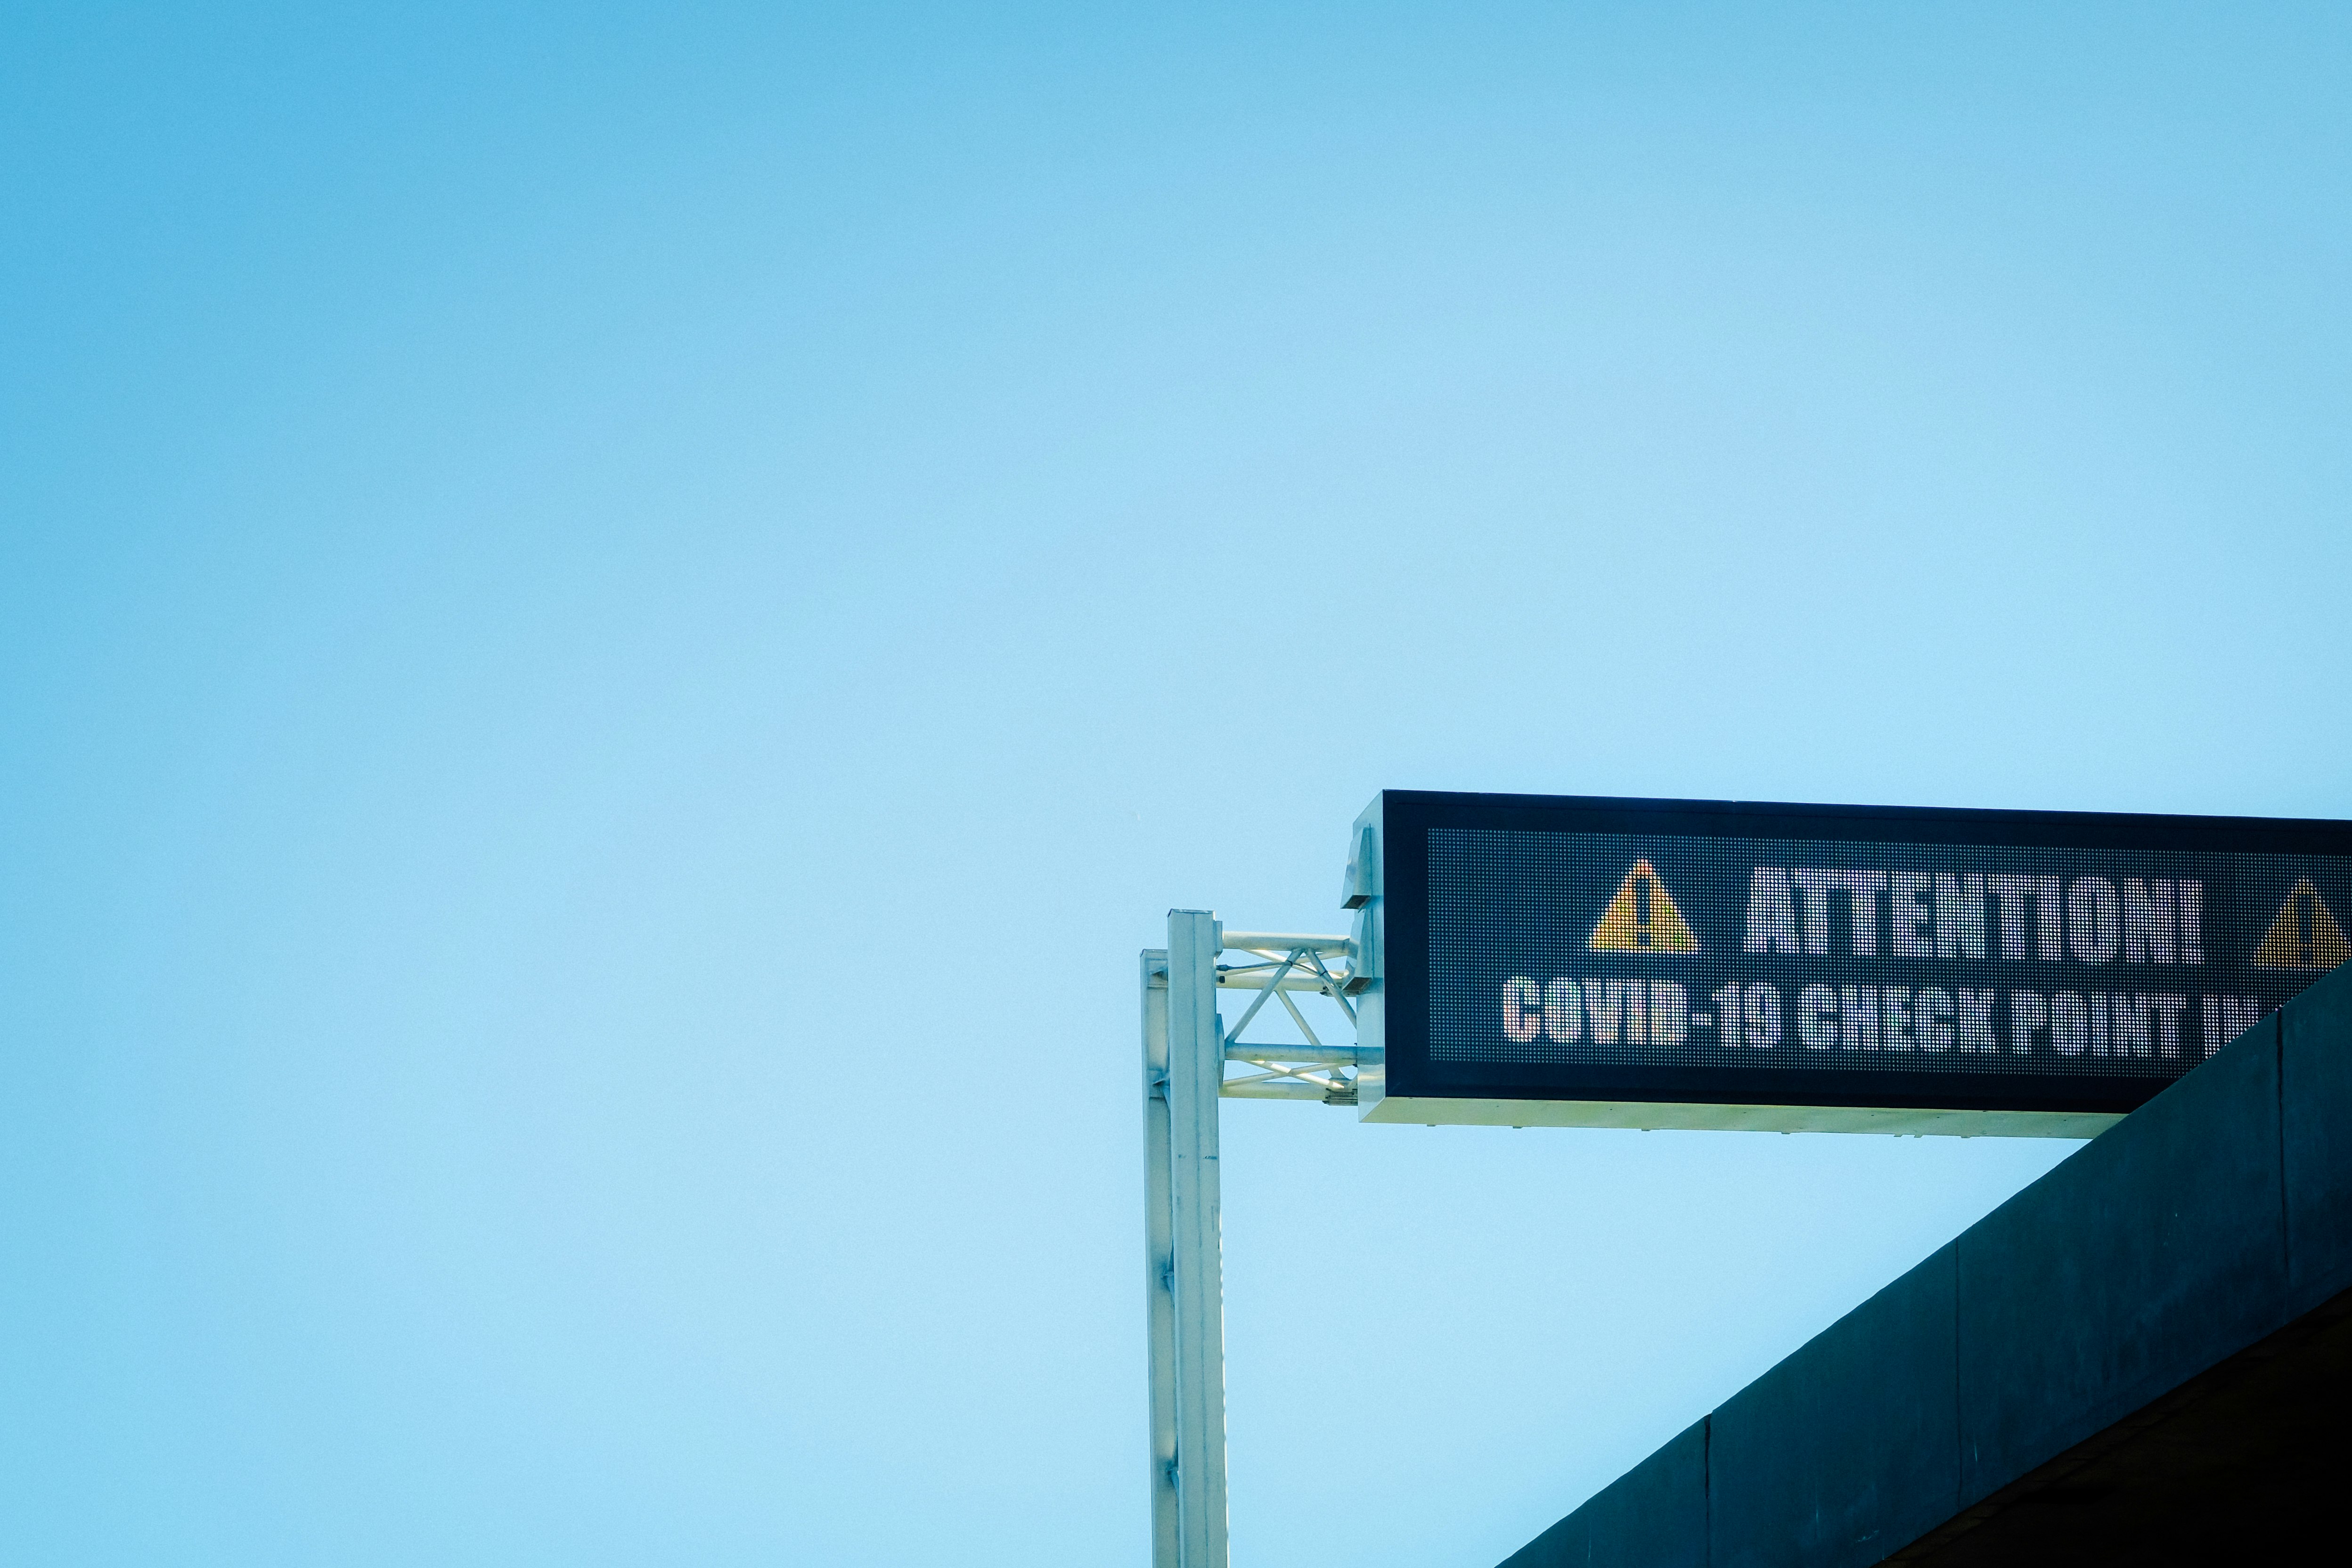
(1387, 886)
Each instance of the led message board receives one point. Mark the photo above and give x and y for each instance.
(1685, 964)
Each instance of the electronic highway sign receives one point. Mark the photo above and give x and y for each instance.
(1573, 961)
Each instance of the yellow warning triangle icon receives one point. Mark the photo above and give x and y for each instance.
(2304, 935)
(1642, 917)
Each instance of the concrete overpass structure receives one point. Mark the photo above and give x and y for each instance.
(2143, 1357)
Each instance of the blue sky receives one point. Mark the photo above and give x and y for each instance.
(614, 624)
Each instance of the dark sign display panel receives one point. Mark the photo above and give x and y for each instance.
(1564, 948)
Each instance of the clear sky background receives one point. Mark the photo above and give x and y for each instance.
(614, 624)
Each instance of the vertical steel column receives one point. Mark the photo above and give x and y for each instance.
(1159, 1259)
(1188, 1360)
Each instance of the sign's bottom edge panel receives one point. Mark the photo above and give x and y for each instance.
(1466, 1113)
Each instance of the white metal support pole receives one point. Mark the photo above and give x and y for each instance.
(1159, 1259)
(1194, 1385)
